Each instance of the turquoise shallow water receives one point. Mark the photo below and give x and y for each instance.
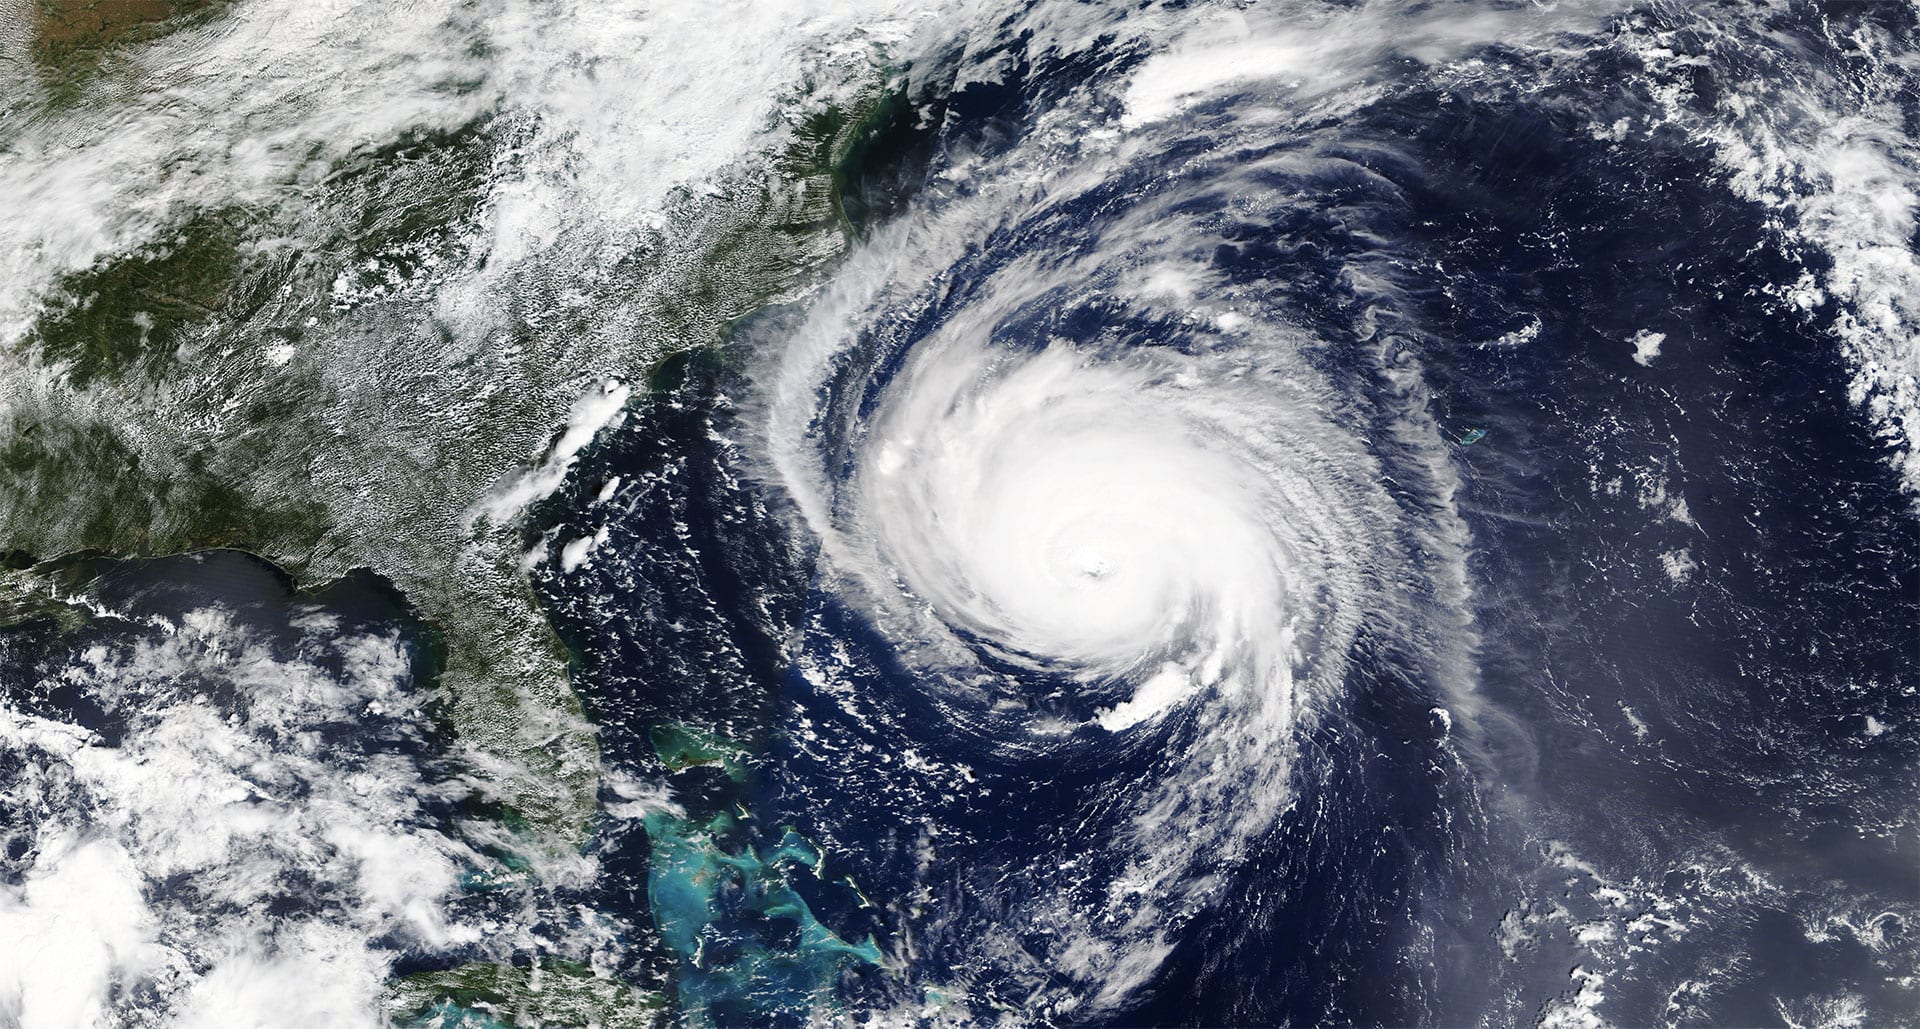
(726, 901)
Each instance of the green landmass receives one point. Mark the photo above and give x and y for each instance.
(77, 42)
(681, 747)
(551, 993)
(64, 28)
(281, 382)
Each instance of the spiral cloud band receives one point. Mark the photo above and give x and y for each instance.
(1073, 517)
(1096, 497)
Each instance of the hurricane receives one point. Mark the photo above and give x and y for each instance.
(1019, 512)
(1098, 495)
(1118, 446)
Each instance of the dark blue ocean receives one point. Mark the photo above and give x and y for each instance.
(1679, 786)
